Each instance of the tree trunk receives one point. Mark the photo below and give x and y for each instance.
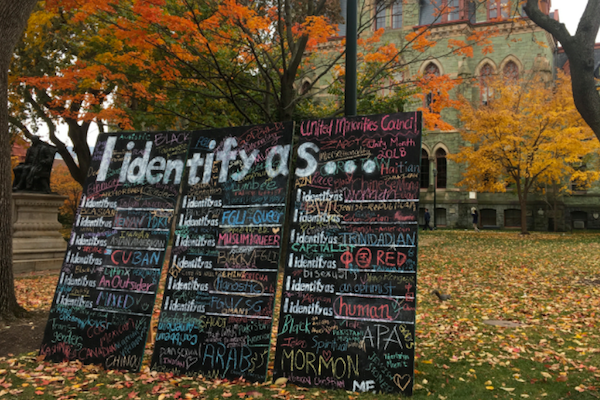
(522, 195)
(13, 19)
(555, 218)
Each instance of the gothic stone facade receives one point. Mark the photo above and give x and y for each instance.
(519, 49)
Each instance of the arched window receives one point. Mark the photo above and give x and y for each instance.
(431, 70)
(511, 71)
(442, 168)
(424, 169)
(485, 76)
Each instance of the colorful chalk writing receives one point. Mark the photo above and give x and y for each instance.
(347, 316)
(217, 310)
(107, 287)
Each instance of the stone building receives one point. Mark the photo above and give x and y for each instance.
(519, 49)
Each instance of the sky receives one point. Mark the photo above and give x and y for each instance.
(569, 12)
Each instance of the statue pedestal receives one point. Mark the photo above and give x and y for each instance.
(37, 242)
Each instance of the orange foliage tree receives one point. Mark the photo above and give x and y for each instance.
(529, 133)
(201, 64)
(62, 182)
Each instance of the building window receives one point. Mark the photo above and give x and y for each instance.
(431, 70)
(343, 14)
(380, 11)
(424, 169)
(512, 218)
(485, 77)
(440, 216)
(452, 10)
(441, 11)
(578, 219)
(510, 71)
(383, 9)
(498, 9)
(397, 14)
(441, 166)
(447, 11)
(488, 217)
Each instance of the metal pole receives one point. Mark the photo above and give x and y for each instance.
(434, 198)
(351, 38)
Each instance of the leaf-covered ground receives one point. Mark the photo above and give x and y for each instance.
(548, 285)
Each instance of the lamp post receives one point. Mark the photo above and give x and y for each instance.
(434, 198)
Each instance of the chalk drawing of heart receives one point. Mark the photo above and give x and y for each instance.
(327, 355)
(402, 381)
(190, 361)
(275, 230)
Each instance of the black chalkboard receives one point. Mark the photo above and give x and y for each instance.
(348, 305)
(107, 287)
(216, 315)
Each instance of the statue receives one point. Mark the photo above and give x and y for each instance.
(33, 175)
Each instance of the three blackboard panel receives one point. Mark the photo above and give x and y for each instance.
(104, 299)
(348, 304)
(217, 310)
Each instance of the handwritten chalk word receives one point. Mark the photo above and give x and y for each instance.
(192, 284)
(119, 283)
(76, 302)
(249, 287)
(321, 365)
(345, 307)
(236, 239)
(242, 305)
(159, 168)
(294, 326)
(312, 309)
(137, 258)
(199, 241)
(177, 338)
(192, 202)
(313, 286)
(130, 362)
(363, 386)
(379, 335)
(382, 239)
(218, 356)
(318, 262)
(195, 263)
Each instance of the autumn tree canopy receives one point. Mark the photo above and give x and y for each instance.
(191, 64)
(529, 132)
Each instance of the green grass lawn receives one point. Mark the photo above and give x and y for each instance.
(548, 284)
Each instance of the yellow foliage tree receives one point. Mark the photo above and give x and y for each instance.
(528, 133)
